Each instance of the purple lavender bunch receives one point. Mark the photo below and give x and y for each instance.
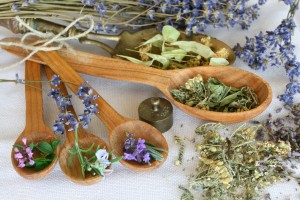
(64, 102)
(135, 150)
(23, 154)
(194, 16)
(275, 48)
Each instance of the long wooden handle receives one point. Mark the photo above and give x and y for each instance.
(107, 114)
(100, 66)
(34, 99)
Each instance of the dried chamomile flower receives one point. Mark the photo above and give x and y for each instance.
(222, 53)
(206, 41)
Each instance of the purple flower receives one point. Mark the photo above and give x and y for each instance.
(55, 80)
(54, 93)
(58, 127)
(18, 80)
(24, 154)
(135, 149)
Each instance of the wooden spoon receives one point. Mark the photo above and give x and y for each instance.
(73, 172)
(116, 124)
(165, 80)
(35, 128)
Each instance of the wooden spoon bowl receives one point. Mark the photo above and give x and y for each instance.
(142, 130)
(35, 128)
(116, 124)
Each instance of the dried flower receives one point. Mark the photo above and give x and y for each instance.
(238, 165)
(275, 48)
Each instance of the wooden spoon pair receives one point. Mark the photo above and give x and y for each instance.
(165, 80)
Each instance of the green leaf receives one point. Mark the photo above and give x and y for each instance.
(195, 47)
(218, 61)
(40, 165)
(116, 159)
(31, 145)
(134, 60)
(18, 146)
(155, 41)
(164, 61)
(73, 151)
(170, 34)
(230, 98)
(45, 148)
(178, 54)
(54, 144)
(89, 149)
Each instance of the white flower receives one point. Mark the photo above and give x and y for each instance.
(102, 157)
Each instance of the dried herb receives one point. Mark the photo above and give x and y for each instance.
(164, 51)
(186, 195)
(215, 95)
(179, 141)
(237, 166)
(285, 128)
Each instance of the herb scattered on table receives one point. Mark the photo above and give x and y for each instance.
(181, 144)
(141, 151)
(238, 165)
(176, 54)
(37, 156)
(215, 96)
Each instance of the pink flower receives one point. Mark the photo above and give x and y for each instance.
(24, 154)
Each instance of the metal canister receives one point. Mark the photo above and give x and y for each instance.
(158, 112)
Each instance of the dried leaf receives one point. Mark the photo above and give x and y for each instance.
(177, 54)
(170, 34)
(195, 47)
(155, 41)
(134, 60)
(163, 60)
(218, 61)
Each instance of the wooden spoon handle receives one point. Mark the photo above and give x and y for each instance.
(34, 100)
(100, 66)
(107, 114)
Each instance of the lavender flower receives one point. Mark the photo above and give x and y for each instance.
(135, 150)
(274, 48)
(55, 80)
(24, 154)
(18, 80)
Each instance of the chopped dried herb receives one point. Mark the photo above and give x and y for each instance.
(215, 95)
(239, 165)
(179, 141)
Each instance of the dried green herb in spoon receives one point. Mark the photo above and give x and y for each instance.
(214, 95)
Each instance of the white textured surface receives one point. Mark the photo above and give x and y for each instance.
(125, 98)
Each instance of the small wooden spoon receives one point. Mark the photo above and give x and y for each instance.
(73, 172)
(116, 124)
(35, 128)
(166, 80)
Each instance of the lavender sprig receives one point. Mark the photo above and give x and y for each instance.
(275, 48)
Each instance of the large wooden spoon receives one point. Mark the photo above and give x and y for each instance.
(165, 80)
(35, 128)
(116, 124)
(73, 172)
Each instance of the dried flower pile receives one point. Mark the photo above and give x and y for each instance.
(238, 166)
